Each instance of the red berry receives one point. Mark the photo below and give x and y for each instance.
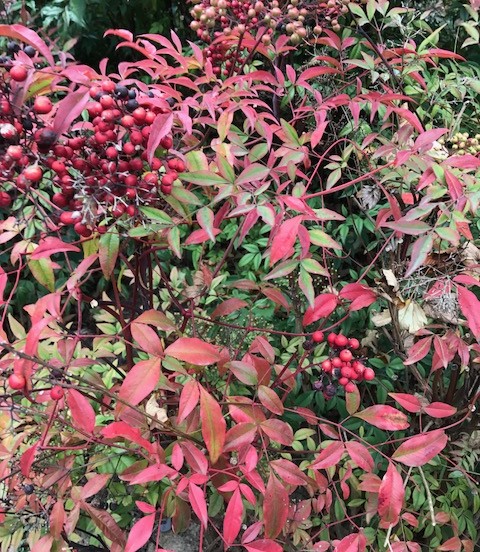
(331, 338)
(70, 217)
(318, 336)
(16, 381)
(139, 114)
(168, 179)
(350, 387)
(336, 362)
(108, 86)
(166, 189)
(327, 365)
(341, 341)
(33, 173)
(59, 200)
(353, 343)
(345, 355)
(343, 381)
(5, 200)
(166, 142)
(15, 152)
(56, 393)
(82, 230)
(18, 73)
(42, 105)
(368, 374)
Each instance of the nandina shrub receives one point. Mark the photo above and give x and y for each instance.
(244, 299)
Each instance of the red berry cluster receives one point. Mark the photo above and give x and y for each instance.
(300, 20)
(341, 365)
(100, 170)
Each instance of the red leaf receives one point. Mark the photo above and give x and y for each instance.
(189, 398)
(390, 496)
(356, 542)
(161, 126)
(239, 436)
(289, 472)
(420, 250)
(140, 533)
(243, 371)
(138, 383)
(440, 410)
(157, 319)
(420, 449)
(125, 431)
(453, 544)
(360, 295)
(147, 338)
(197, 500)
(425, 140)
(193, 350)
(284, 240)
(50, 246)
(195, 459)
(145, 507)
(270, 400)
(275, 507)
(454, 185)
(23, 34)
(407, 401)
(323, 306)
(360, 455)
(263, 545)
(470, 307)
(44, 544)
(228, 306)
(213, 425)
(57, 519)
(419, 350)
(105, 522)
(330, 456)
(278, 431)
(69, 108)
(153, 473)
(94, 485)
(83, 415)
(27, 459)
(233, 518)
(384, 417)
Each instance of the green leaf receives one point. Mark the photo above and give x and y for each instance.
(108, 252)
(314, 267)
(42, 271)
(306, 285)
(252, 173)
(204, 178)
(283, 269)
(322, 239)
(290, 133)
(156, 214)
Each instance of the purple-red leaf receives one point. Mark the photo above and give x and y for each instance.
(139, 383)
(189, 398)
(193, 350)
(275, 507)
(140, 533)
(50, 246)
(356, 542)
(233, 517)
(161, 126)
(390, 496)
(420, 449)
(323, 306)
(83, 415)
(384, 417)
(440, 410)
(470, 307)
(407, 401)
(213, 425)
(330, 456)
(284, 240)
